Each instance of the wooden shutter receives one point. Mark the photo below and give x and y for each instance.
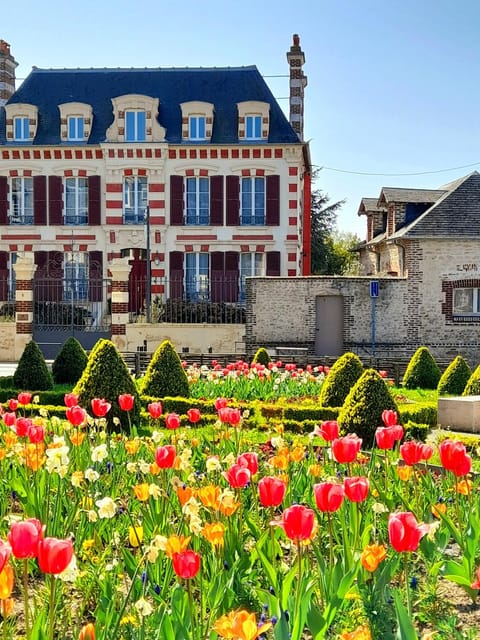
(4, 255)
(232, 259)
(94, 200)
(95, 276)
(216, 200)
(176, 274)
(55, 203)
(3, 200)
(273, 201)
(40, 200)
(176, 200)
(217, 275)
(273, 263)
(233, 200)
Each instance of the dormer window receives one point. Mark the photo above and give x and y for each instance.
(135, 126)
(21, 129)
(253, 127)
(135, 120)
(197, 127)
(253, 120)
(76, 121)
(21, 122)
(75, 128)
(197, 121)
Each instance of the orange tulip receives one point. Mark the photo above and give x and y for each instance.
(132, 446)
(10, 439)
(372, 556)
(76, 438)
(360, 633)
(438, 509)
(214, 533)
(240, 625)
(141, 491)
(404, 472)
(208, 496)
(87, 632)
(7, 607)
(176, 544)
(464, 487)
(6, 582)
(184, 494)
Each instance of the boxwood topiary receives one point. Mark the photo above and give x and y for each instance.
(70, 362)
(454, 378)
(32, 372)
(262, 357)
(472, 388)
(422, 371)
(362, 411)
(341, 378)
(107, 376)
(165, 375)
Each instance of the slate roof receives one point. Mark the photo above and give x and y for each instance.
(394, 194)
(369, 204)
(224, 87)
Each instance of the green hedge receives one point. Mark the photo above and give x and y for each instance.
(422, 413)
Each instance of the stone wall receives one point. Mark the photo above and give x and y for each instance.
(7, 341)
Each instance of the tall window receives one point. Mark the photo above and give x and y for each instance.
(196, 127)
(11, 276)
(197, 276)
(76, 201)
(22, 201)
(135, 126)
(134, 199)
(75, 282)
(253, 127)
(251, 264)
(75, 128)
(198, 200)
(466, 301)
(21, 128)
(253, 201)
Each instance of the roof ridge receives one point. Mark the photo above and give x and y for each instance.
(137, 69)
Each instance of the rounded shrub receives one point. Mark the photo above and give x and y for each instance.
(341, 378)
(70, 362)
(107, 376)
(422, 371)
(165, 375)
(32, 372)
(363, 407)
(262, 357)
(472, 388)
(454, 378)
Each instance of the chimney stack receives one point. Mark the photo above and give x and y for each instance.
(7, 72)
(298, 82)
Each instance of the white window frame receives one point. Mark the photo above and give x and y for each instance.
(77, 123)
(197, 276)
(470, 305)
(75, 276)
(76, 212)
(21, 126)
(197, 127)
(197, 200)
(139, 133)
(21, 200)
(135, 199)
(253, 201)
(251, 264)
(253, 126)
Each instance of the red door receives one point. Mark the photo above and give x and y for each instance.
(137, 283)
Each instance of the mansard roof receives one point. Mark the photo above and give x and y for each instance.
(224, 87)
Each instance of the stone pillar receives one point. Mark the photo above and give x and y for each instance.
(298, 82)
(120, 270)
(24, 272)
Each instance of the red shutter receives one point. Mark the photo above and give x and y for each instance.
(233, 200)
(231, 276)
(216, 200)
(55, 203)
(4, 255)
(95, 276)
(273, 201)
(217, 275)
(176, 200)
(176, 274)
(94, 201)
(40, 200)
(3, 200)
(273, 263)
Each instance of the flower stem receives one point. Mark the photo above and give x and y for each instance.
(330, 532)
(407, 587)
(193, 622)
(298, 593)
(51, 612)
(25, 599)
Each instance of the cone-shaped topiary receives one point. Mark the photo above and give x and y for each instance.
(32, 372)
(165, 375)
(70, 362)
(262, 357)
(107, 376)
(472, 388)
(422, 371)
(454, 378)
(362, 411)
(341, 378)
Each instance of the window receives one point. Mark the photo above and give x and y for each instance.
(466, 301)
(11, 276)
(197, 276)
(196, 128)
(198, 200)
(251, 264)
(135, 126)
(253, 127)
(253, 201)
(21, 128)
(76, 201)
(134, 199)
(75, 283)
(75, 128)
(22, 201)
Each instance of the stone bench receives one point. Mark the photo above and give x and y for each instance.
(460, 413)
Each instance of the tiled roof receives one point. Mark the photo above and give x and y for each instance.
(369, 204)
(394, 194)
(224, 87)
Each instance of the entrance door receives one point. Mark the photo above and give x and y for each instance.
(329, 326)
(137, 283)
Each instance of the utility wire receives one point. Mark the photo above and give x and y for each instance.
(411, 173)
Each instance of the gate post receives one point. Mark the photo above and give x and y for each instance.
(120, 270)
(25, 268)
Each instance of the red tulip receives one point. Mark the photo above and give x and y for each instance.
(76, 415)
(412, 452)
(389, 417)
(13, 404)
(9, 419)
(328, 496)
(454, 457)
(155, 410)
(298, 522)
(100, 407)
(356, 488)
(70, 399)
(345, 449)
(329, 430)
(186, 564)
(249, 460)
(22, 426)
(476, 584)
(126, 401)
(427, 452)
(172, 421)
(36, 434)
(235, 417)
(165, 456)
(224, 414)
(238, 476)
(54, 555)
(271, 491)
(5, 551)
(24, 537)
(24, 397)
(220, 403)
(404, 532)
(193, 415)
(386, 437)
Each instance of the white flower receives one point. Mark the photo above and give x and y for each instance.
(106, 507)
(143, 466)
(213, 464)
(92, 515)
(154, 490)
(157, 436)
(230, 459)
(277, 442)
(379, 507)
(132, 467)
(196, 524)
(70, 574)
(143, 607)
(99, 453)
(91, 475)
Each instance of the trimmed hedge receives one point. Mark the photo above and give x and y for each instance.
(422, 371)
(341, 378)
(165, 375)
(455, 377)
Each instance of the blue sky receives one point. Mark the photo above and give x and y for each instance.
(392, 84)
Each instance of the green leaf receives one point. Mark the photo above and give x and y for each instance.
(406, 630)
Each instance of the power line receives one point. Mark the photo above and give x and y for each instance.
(411, 173)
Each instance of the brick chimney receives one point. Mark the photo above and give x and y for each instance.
(298, 82)
(7, 72)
